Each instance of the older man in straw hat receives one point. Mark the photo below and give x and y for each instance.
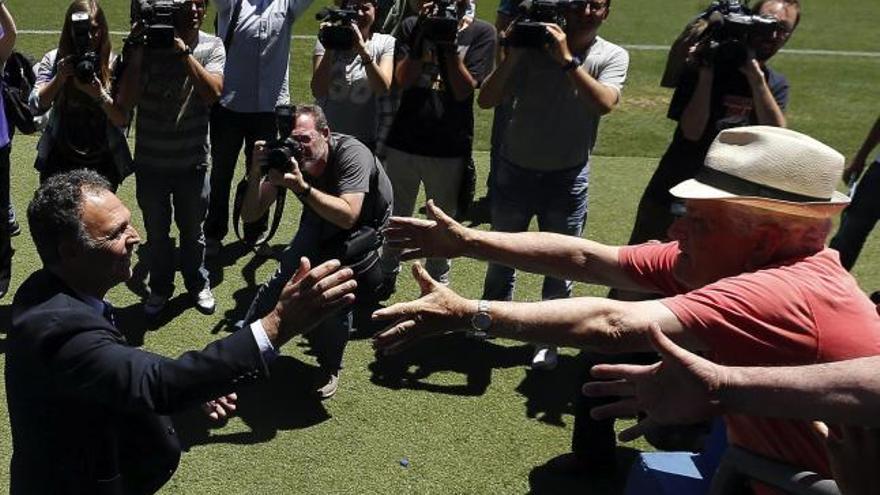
(747, 277)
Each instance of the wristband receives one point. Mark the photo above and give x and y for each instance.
(304, 194)
(572, 64)
(186, 53)
(102, 98)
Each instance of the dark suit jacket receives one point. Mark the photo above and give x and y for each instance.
(87, 410)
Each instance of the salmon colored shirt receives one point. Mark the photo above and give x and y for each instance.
(803, 311)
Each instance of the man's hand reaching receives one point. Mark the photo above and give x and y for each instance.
(680, 389)
(438, 237)
(438, 311)
(221, 407)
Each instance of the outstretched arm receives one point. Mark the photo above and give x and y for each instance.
(563, 256)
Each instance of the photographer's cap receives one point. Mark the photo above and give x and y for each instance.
(770, 168)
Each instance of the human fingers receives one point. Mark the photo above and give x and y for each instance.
(619, 409)
(412, 254)
(332, 295)
(304, 266)
(396, 338)
(618, 388)
(621, 371)
(426, 283)
(667, 348)
(333, 280)
(639, 429)
(395, 311)
(318, 273)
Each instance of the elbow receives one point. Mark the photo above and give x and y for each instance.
(604, 108)
(348, 222)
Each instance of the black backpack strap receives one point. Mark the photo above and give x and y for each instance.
(240, 191)
(233, 23)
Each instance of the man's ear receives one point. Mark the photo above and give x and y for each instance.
(326, 132)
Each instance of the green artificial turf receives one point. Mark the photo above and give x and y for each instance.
(470, 417)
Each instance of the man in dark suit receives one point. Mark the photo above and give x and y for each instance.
(88, 411)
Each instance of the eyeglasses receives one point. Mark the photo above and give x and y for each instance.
(594, 5)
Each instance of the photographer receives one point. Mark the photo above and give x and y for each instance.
(173, 88)
(349, 81)
(346, 199)
(7, 43)
(85, 126)
(443, 56)
(563, 84)
(713, 95)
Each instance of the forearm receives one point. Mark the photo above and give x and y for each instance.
(378, 77)
(596, 96)
(320, 83)
(47, 92)
(257, 199)
(407, 72)
(208, 86)
(113, 109)
(766, 108)
(460, 81)
(331, 208)
(7, 23)
(695, 116)
(494, 88)
(845, 392)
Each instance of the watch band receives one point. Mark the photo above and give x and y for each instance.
(304, 194)
(481, 321)
(572, 64)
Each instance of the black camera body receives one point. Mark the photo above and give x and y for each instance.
(731, 27)
(339, 35)
(282, 148)
(158, 17)
(529, 30)
(85, 62)
(441, 24)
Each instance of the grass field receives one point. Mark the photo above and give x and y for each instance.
(470, 418)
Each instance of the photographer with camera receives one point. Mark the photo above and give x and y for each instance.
(173, 79)
(443, 56)
(85, 128)
(725, 83)
(558, 81)
(346, 200)
(352, 70)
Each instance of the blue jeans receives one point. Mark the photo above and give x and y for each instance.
(859, 217)
(559, 201)
(329, 339)
(185, 195)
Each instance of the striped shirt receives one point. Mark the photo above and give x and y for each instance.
(172, 120)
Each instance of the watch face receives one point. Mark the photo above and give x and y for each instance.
(481, 321)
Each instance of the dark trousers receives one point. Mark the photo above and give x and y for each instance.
(229, 130)
(859, 217)
(5, 203)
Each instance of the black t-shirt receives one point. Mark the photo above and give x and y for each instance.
(731, 106)
(430, 122)
(352, 168)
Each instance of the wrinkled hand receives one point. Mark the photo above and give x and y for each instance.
(221, 407)
(64, 70)
(179, 45)
(677, 390)
(439, 310)
(557, 44)
(94, 88)
(311, 295)
(854, 454)
(359, 43)
(752, 68)
(292, 179)
(438, 237)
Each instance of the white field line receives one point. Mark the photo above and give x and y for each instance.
(653, 48)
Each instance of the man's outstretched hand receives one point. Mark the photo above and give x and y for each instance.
(311, 295)
(439, 310)
(438, 237)
(221, 407)
(680, 389)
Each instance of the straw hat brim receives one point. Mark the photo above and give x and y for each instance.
(696, 190)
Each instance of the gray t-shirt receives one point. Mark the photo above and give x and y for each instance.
(351, 106)
(172, 120)
(550, 127)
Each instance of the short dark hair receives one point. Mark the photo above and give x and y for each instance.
(316, 113)
(795, 3)
(55, 212)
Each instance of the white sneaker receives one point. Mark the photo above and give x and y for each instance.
(154, 305)
(205, 302)
(545, 358)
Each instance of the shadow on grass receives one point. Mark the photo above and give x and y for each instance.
(285, 402)
(552, 478)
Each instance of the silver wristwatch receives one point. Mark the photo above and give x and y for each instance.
(481, 321)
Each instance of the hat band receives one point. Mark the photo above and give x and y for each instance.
(742, 187)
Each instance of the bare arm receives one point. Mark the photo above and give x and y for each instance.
(10, 33)
(208, 85)
(460, 81)
(599, 324)
(321, 65)
(766, 108)
(598, 97)
(494, 89)
(695, 116)
(379, 72)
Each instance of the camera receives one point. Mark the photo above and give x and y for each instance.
(529, 29)
(339, 34)
(158, 17)
(441, 24)
(729, 30)
(85, 62)
(282, 148)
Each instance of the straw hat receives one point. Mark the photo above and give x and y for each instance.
(770, 168)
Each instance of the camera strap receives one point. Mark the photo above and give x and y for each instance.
(240, 191)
